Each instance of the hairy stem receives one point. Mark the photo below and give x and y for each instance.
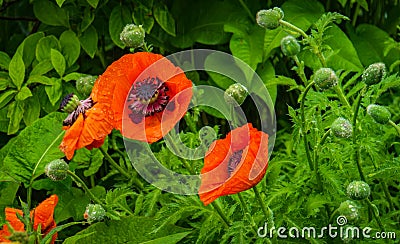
(293, 27)
(357, 153)
(247, 212)
(376, 215)
(261, 202)
(342, 97)
(303, 125)
(395, 126)
(300, 70)
(221, 214)
(82, 184)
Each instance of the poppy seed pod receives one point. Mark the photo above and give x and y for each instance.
(69, 103)
(132, 35)
(380, 114)
(85, 84)
(290, 46)
(358, 190)
(374, 73)
(269, 19)
(57, 170)
(349, 209)
(342, 128)
(325, 78)
(94, 213)
(235, 92)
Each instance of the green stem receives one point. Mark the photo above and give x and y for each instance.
(387, 195)
(357, 153)
(303, 125)
(342, 97)
(355, 16)
(376, 215)
(395, 126)
(247, 212)
(293, 27)
(247, 11)
(221, 214)
(300, 70)
(82, 184)
(259, 199)
(137, 182)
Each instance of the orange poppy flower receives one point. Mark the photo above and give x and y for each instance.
(42, 215)
(234, 164)
(158, 96)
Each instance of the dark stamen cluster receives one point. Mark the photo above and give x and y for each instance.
(234, 161)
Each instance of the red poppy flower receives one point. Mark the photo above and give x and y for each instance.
(42, 215)
(234, 164)
(157, 97)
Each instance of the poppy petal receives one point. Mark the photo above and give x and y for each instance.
(11, 217)
(43, 213)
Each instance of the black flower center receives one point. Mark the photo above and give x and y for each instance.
(234, 161)
(148, 97)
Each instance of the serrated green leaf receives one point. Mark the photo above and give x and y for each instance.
(41, 68)
(15, 114)
(6, 96)
(70, 47)
(32, 106)
(119, 17)
(54, 92)
(60, 3)
(44, 46)
(93, 3)
(17, 70)
(58, 61)
(4, 60)
(164, 18)
(35, 146)
(23, 94)
(50, 14)
(89, 41)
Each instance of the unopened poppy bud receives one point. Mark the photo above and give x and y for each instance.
(56, 170)
(69, 103)
(380, 114)
(358, 190)
(94, 213)
(85, 84)
(349, 209)
(374, 73)
(269, 19)
(290, 46)
(235, 92)
(325, 78)
(132, 35)
(342, 128)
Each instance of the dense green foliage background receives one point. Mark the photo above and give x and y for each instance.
(46, 45)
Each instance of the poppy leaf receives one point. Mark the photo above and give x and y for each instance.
(35, 146)
(17, 70)
(58, 61)
(89, 41)
(32, 104)
(4, 60)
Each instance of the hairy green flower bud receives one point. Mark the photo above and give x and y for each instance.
(325, 78)
(358, 190)
(349, 209)
(374, 73)
(269, 19)
(342, 128)
(235, 92)
(132, 35)
(85, 84)
(94, 213)
(56, 170)
(379, 113)
(290, 46)
(69, 103)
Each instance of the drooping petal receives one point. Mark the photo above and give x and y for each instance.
(43, 215)
(11, 217)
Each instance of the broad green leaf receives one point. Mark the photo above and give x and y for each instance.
(73, 76)
(119, 17)
(32, 108)
(23, 94)
(58, 62)
(41, 68)
(15, 114)
(50, 14)
(41, 79)
(45, 103)
(70, 47)
(345, 56)
(89, 41)
(143, 16)
(60, 3)
(127, 230)
(44, 46)
(4, 60)
(363, 3)
(6, 96)
(54, 92)
(34, 147)
(8, 191)
(267, 74)
(17, 70)
(164, 18)
(5, 80)
(88, 17)
(4, 121)
(28, 47)
(93, 3)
